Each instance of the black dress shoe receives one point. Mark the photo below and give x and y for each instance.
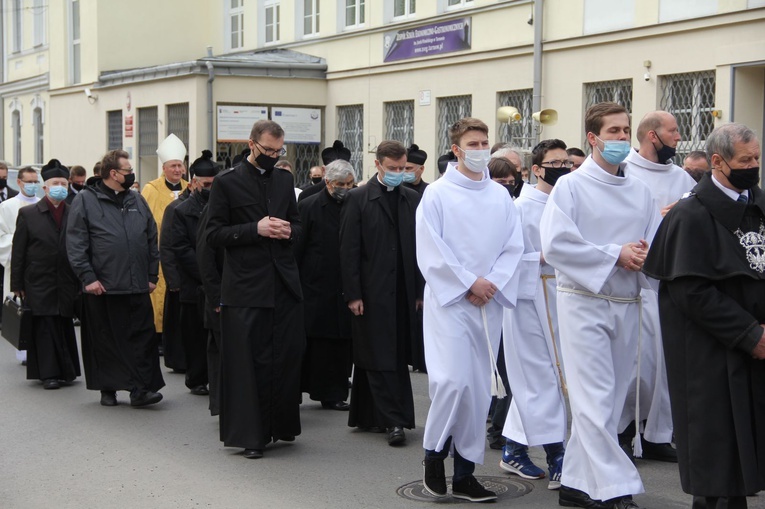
(658, 452)
(570, 497)
(253, 454)
(51, 383)
(108, 398)
(145, 398)
(396, 435)
(286, 438)
(335, 405)
(200, 390)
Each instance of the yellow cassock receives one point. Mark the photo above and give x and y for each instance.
(159, 197)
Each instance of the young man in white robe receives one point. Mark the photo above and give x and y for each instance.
(595, 232)
(537, 414)
(658, 135)
(469, 243)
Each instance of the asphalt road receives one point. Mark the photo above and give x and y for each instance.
(62, 449)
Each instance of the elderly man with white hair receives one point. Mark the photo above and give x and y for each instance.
(327, 361)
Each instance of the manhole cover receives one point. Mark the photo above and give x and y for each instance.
(504, 487)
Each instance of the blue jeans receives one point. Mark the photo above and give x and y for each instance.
(462, 468)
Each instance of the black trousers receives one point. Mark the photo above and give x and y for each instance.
(119, 345)
(326, 365)
(194, 343)
(381, 399)
(719, 503)
(172, 340)
(52, 353)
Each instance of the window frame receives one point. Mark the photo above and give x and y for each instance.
(17, 20)
(410, 10)
(275, 5)
(359, 10)
(231, 14)
(39, 21)
(75, 48)
(315, 18)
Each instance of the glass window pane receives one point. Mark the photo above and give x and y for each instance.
(76, 19)
(398, 7)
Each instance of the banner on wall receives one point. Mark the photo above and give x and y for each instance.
(235, 121)
(426, 40)
(301, 125)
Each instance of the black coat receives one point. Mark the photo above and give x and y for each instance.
(184, 245)
(11, 192)
(210, 263)
(40, 266)
(312, 190)
(369, 263)
(318, 256)
(167, 257)
(711, 304)
(239, 198)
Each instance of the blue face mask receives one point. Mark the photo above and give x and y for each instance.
(30, 189)
(58, 193)
(409, 177)
(615, 151)
(393, 179)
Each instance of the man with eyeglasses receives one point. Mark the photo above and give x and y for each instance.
(29, 184)
(111, 240)
(382, 287)
(658, 135)
(252, 214)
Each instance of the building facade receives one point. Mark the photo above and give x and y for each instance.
(81, 77)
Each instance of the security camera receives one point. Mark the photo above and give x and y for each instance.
(88, 93)
(647, 76)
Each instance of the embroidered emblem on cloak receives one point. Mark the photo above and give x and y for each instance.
(754, 244)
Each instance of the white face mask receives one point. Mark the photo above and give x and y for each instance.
(476, 160)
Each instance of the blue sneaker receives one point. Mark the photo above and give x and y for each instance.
(520, 465)
(555, 469)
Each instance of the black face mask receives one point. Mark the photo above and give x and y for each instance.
(664, 153)
(3, 183)
(129, 181)
(553, 174)
(696, 174)
(204, 193)
(743, 178)
(315, 180)
(78, 187)
(510, 188)
(265, 162)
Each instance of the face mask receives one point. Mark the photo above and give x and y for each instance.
(743, 178)
(664, 153)
(339, 193)
(58, 193)
(205, 194)
(78, 187)
(31, 189)
(476, 160)
(265, 162)
(3, 183)
(553, 174)
(393, 179)
(409, 177)
(510, 189)
(696, 174)
(315, 180)
(129, 181)
(614, 151)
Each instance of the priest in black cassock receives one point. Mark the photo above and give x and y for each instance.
(252, 214)
(327, 361)
(383, 288)
(709, 254)
(42, 277)
(329, 154)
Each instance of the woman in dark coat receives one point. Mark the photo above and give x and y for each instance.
(42, 277)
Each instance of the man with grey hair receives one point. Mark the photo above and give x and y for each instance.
(327, 360)
(514, 156)
(707, 254)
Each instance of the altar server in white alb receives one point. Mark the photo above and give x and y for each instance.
(658, 136)
(469, 243)
(537, 414)
(595, 232)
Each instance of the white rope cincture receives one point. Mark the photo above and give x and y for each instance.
(497, 386)
(561, 378)
(637, 446)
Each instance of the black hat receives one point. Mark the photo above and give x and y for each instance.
(240, 157)
(54, 169)
(336, 151)
(204, 166)
(415, 155)
(444, 160)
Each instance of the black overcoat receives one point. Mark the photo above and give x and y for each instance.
(210, 263)
(40, 265)
(318, 256)
(184, 245)
(167, 257)
(368, 257)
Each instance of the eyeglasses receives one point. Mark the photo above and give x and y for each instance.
(272, 152)
(557, 164)
(127, 170)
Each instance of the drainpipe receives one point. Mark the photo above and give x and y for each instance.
(210, 108)
(537, 97)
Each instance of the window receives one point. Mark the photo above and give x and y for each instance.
(39, 10)
(147, 143)
(74, 40)
(114, 121)
(17, 24)
(456, 4)
(272, 15)
(618, 91)
(521, 133)
(399, 121)
(608, 15)
(305, 156)
(450, 109)
(402, 8)
(37, 121)
(16, 126)
(690, 98)
(236, 24)
(350, 130)
(310, 17)
(354, 13)
(178, 121)
(673, 10)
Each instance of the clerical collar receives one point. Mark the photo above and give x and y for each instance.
(384, 186)
(730, 193)
(173, 187)
(28, 199)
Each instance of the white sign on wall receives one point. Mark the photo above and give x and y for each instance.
(301, 125)
(235, 121)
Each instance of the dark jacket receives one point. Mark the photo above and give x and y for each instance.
(369, 264)
(210, 263)
(312, 190)
(113, 243)
(71, 195)
(40, 267)
(184, 227)
(318, 256)
(167, 258)
(239, 199)
(11, 192)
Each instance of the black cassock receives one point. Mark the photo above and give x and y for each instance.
(41, 270)
(262, 333)
(172, 336)
(711, 302)
(327, 361)
(378, 264)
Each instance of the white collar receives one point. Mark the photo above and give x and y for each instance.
(730, 193)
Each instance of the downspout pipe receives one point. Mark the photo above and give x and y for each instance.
(537, 97)
(210, 79)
